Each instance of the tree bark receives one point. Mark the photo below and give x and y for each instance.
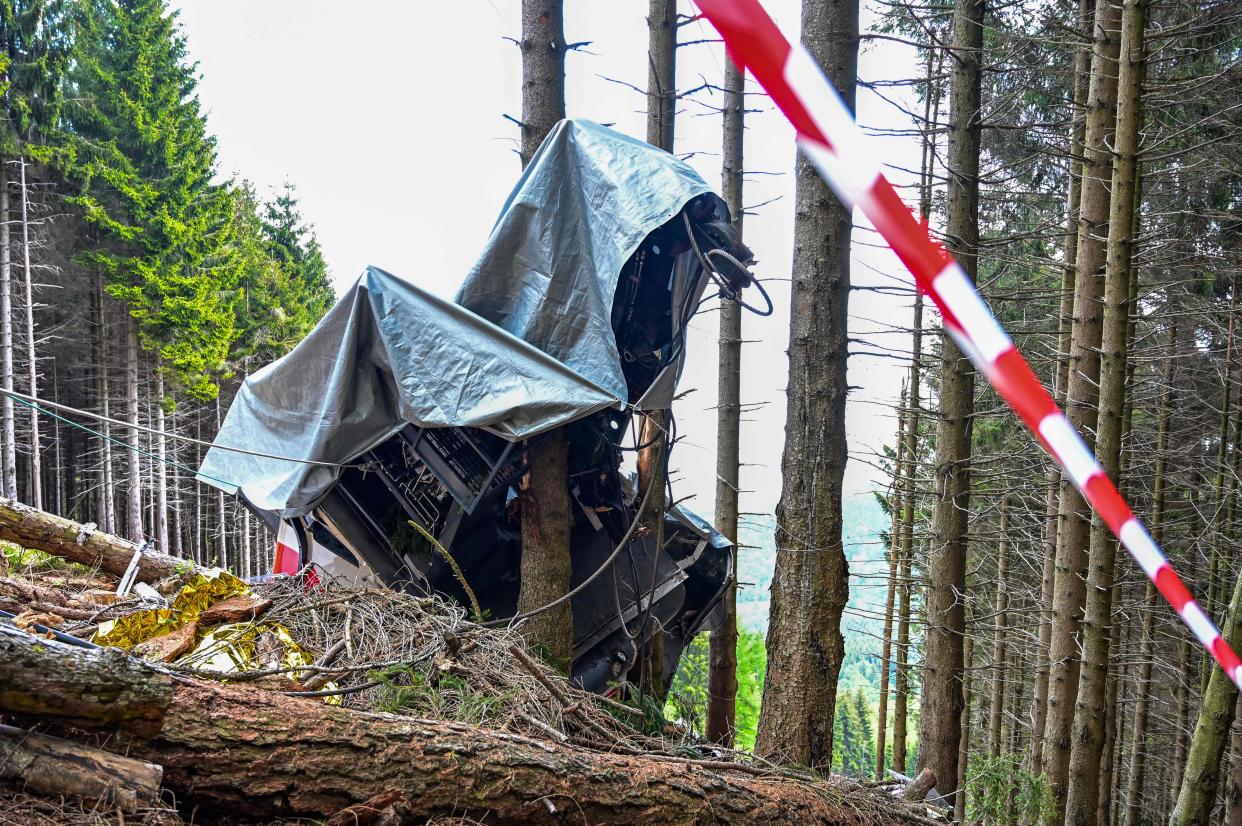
(52, 766)
(32, 364)
(1181, 721)
(1090, 717)
(1233, 788)
(901, 681)
(661, 73)
(940, 724)
(1052, 524)
(811, 582)
(722, 653)
(997, 699)
(133, 508)
(543, 72)
(653, 460)
(886, 638)
(963, 749)
(8, 440)
(1082, 398)
(546, 516)
(106, 517)
(241, 751)
(221, 508)
(1201, 777)
(1138, 752)
(546, 564)
(30, 528)
(901, 661)
(161, 466)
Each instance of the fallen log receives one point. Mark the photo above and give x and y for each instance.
(919, 786)
(262, 754)
(55, 535)
(52, 766)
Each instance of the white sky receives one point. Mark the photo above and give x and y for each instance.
(386, 115)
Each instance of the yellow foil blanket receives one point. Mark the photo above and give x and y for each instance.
(243, 646)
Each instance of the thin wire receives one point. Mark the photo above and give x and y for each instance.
(37, 404)
(122, 442)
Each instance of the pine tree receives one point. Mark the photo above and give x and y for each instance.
(145, 165)
(810, 586)
(546, 516)
(34, 45)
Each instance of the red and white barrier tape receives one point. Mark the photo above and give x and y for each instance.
(838, 149)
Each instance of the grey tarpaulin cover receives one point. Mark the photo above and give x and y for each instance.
(528, 346)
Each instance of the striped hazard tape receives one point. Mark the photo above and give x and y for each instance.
(836, 146)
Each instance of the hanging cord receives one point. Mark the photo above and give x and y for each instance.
(647, 614)
(713, 273)
(41, 404)
(621, 546)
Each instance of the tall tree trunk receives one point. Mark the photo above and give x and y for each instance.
(1082, 398)
(134, 505)
(106, 518)
(221, 509)
(963, 749)
(810, 586)
(997, 699)
(1181, 736)
(1201, 777)
(57, 442)
(940, 724)
(661, 73)
(894, 548)
(1138, 752)
(8, 440)
(1219, 525)
(543, 72)
(1114, 726)
(722, 654)
(1233, 789)
(32, 364)
(901, 687)
(1052, 524)
(199, 525)
(901, 662)
(546, 565)
(653, 460)
(161, 466)
(546, 516)
(178, 540)
(1090, 715)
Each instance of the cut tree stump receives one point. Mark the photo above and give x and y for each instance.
(55, 535)
(52, 766)
(262, 754)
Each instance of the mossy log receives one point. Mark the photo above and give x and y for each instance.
(262, 754)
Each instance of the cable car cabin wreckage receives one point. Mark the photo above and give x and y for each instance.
(401, 407)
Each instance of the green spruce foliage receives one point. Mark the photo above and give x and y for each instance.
(35, 38)
(146, 166)
(214, 279)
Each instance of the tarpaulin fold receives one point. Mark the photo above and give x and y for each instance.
(527, 347)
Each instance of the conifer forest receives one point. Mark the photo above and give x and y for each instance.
(342, 625)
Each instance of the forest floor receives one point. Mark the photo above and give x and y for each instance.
(274, 703)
